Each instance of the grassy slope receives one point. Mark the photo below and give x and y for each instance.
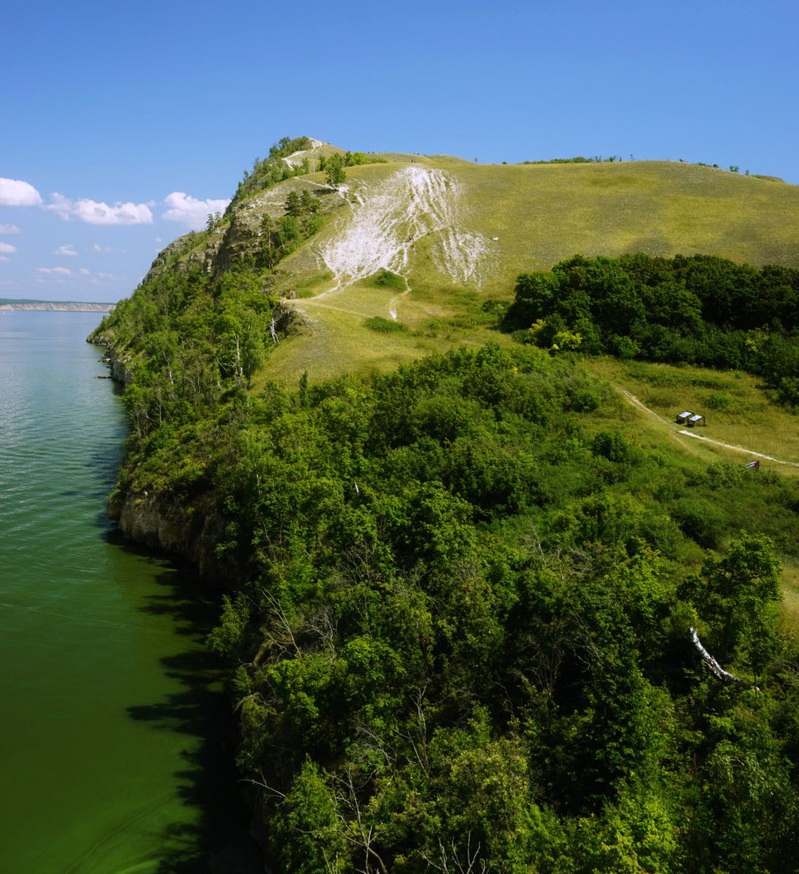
(539, 214)
(739, 413)
(543, 213)
(737, 410)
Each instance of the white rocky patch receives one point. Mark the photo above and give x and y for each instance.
(390, 216)
(296, 158)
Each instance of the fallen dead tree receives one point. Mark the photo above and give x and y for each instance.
(715, 668)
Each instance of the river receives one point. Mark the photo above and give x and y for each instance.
(113, 727)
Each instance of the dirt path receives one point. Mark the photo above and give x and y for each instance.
(636, 402)
(738, 448)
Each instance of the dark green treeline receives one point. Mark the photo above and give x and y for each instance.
(697, 309)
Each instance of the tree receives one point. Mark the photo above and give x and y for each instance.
(334, 170)
(293, 206)
(735, 600)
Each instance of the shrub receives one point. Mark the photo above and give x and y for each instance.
(384, 326)
(700, 520)
(721, 400)
(386, 279)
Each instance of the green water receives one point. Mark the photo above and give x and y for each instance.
(112, 724)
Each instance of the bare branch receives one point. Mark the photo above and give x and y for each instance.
(262, 784)
(449, 864)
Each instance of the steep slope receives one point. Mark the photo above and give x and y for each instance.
(536, 215)
(390, 217)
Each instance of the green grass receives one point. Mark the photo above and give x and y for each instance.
(533, 216)
(544, 213)
(384, 326)
(789, 585)
(748, 418)
(737, 409)
(338, 334)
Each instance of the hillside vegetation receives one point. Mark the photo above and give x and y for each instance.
(452, 229)
(484, 613)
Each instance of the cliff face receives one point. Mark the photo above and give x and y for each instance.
(190, 530)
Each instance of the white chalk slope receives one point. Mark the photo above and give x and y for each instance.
(389, 217)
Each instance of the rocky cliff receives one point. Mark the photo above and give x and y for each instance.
(189, 529)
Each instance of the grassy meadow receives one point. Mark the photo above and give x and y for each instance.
(737, 410)
(543, 213)
(531, 216)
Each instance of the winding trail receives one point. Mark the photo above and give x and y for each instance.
(639, 404)
(738, 448)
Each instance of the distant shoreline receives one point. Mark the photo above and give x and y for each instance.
(59, 306)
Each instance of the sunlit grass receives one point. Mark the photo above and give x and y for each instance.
(335, 334)
(544, 213)
(737, 408)
(789, 585)
(530, 217)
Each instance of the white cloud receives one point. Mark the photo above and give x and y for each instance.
(66, 249)
(54, 271)
(15, 192)
(189, 211)
(95, 212)
(84, 272)
(10, 229)
(4, 258)
(7, 248)
(98, 248)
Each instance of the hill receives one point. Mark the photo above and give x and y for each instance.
(483, 612)
(459, 233)
(54, 306)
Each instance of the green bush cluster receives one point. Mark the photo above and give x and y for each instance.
(386, 279)
(697, 310)
(384, 326)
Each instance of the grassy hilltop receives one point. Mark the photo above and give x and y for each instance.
(508, 218)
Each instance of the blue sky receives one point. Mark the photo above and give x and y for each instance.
(124, 124)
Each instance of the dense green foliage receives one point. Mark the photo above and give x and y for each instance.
(190, 344)
(460, 620)
(335, 174)
(697, 310)
(464, 635)
(278, 238)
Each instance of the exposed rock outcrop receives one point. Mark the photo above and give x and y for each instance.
(190, 529)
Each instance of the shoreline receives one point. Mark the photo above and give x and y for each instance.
(56, 306)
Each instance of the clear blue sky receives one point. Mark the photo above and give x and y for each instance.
(123, 123)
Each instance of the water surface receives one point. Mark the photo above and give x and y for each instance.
(113, 727)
